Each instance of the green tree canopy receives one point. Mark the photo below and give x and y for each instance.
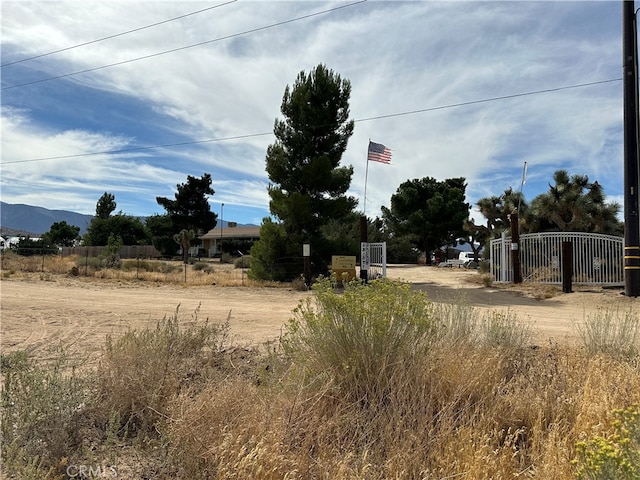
(573, 204)
(62, 234)
(129, 230)
(161, 230)
(190, 209)
(308, 186)
(430, 213)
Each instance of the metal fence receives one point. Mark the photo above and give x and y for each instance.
(374, 259)
(597, 259)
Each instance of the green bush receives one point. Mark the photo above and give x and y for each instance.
(614, 458)
(204, 267)
(360, 340)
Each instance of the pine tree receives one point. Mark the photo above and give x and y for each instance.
(309, 186)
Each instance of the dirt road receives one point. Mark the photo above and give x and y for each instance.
(80, 313)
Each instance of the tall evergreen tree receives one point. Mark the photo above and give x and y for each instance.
(106, 205)
(308, 186)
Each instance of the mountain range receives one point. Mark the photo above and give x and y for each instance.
(18, 219)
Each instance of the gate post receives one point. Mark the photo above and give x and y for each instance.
(567, 266)
(364, 250)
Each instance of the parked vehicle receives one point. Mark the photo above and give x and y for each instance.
(468, 259)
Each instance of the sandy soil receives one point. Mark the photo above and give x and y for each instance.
(80, 312)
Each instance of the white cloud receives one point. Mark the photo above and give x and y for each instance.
(399, 57)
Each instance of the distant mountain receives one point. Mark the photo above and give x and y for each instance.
(38, 220)
(17, 219)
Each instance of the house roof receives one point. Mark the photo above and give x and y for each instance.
(232, 232)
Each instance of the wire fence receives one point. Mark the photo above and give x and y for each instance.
(198, 272)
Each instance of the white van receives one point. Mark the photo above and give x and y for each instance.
(466, 256)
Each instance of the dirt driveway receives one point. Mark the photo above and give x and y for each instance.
(80, 312)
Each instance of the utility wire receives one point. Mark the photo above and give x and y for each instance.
(492, 99)
(246, 32)
(411, 112)
(116, 35)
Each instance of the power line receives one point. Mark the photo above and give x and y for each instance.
(173, 50)
(492, 99)
(411, 112)
(84, 44)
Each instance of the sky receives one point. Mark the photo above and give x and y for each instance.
(454, 89)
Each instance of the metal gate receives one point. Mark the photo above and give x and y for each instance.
(597, 259)
(373, 258)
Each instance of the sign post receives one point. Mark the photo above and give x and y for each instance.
(306, 253)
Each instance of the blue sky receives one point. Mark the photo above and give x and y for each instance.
(439, 60)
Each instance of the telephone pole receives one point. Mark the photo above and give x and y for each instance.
(631, 180)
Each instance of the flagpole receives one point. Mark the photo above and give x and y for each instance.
(366, 175)
(364, 240)
(524, 179)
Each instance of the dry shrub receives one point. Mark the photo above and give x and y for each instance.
(474, 412)
(143, 370)
(42, 407)
(611, 332)
(467, 407)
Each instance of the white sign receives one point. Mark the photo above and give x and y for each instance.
(365, 259)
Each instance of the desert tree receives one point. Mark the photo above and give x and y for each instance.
(497, 210)
(574, 204)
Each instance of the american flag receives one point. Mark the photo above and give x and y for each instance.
(378, 153)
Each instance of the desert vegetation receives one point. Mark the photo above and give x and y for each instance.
(111, 267)
(368, 381)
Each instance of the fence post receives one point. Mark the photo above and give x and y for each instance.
(567, 266)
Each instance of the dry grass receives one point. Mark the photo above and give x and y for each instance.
(206, 272)
(476, 403)
(470, 414)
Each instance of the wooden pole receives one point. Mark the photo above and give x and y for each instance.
(631, 181)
